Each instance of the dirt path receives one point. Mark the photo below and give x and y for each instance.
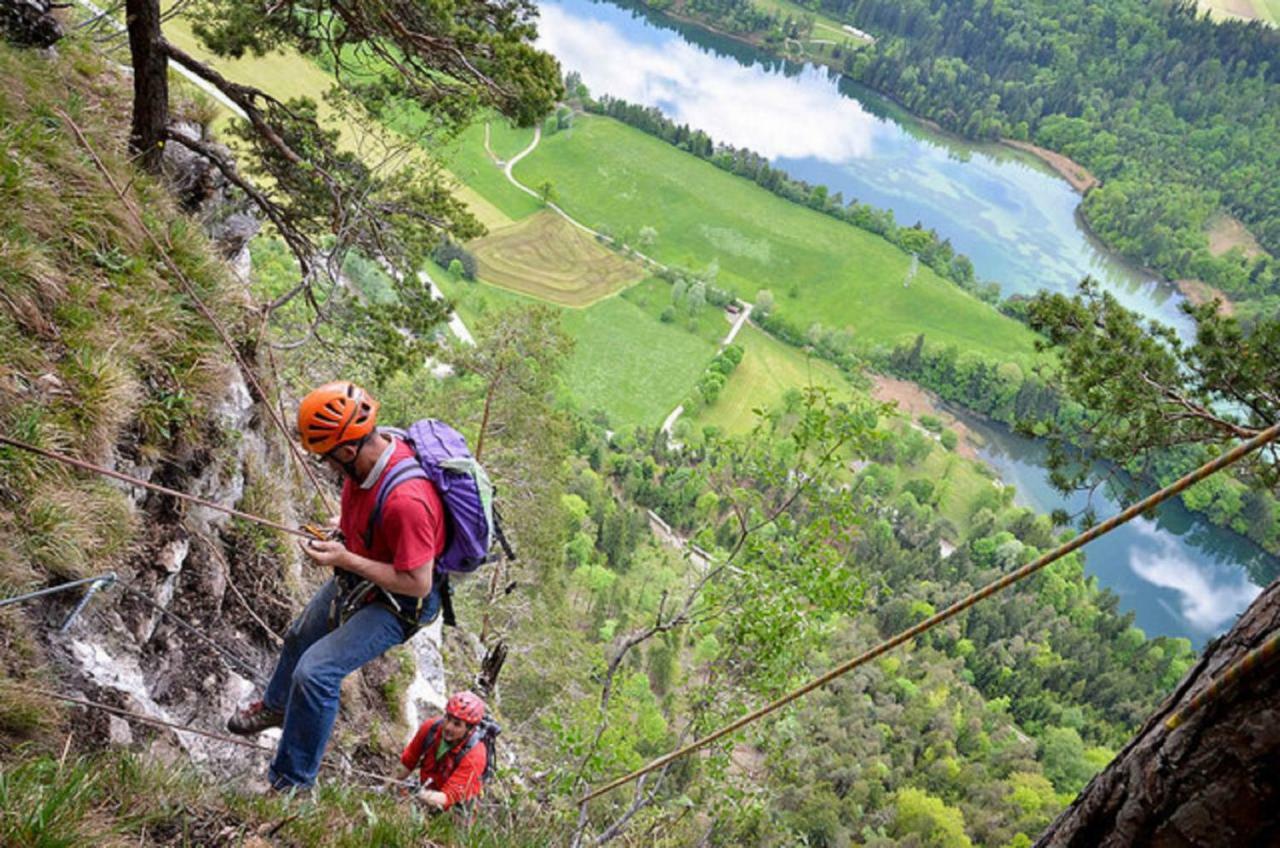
(738, 324)
(510, 164)
(916, 401)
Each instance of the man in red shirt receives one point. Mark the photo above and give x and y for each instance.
(449, 754)
(382, 588)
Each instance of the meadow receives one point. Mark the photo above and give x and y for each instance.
(547, 257)
(625, 362)
(819, 270)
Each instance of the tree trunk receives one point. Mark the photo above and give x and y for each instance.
(1214, 780)
(150, 81)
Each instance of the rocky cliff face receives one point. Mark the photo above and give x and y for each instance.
(128, 650)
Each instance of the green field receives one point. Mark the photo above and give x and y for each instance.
(819, 269)
(547, 257)
(768, 370)
(625, 361)
(823, 26)
(1267, 11)
(506, 140)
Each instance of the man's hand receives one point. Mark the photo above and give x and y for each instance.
(326, 554)
(433, 799)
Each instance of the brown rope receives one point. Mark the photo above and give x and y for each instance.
(190, 292)
(1226, 459)
(98, 469)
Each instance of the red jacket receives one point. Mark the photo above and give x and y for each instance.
(459, 781)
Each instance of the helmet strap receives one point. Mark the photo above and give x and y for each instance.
(349, 468)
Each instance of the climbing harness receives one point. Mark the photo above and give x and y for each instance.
(1213, 466)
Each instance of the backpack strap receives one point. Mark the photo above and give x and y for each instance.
(436, 730)
(507, 550)
(472, 739)
(403, 471)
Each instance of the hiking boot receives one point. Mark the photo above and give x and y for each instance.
(255, 718)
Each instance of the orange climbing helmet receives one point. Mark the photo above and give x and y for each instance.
(334, 414)
(466, 706)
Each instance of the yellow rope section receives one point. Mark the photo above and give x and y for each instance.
(1243, 667)
(1221, 462)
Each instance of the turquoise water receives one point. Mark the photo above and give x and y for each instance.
(1005, 210)
(1015, 219)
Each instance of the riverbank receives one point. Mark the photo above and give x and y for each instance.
(915, 400)
(1199, 293)
(1064, 166)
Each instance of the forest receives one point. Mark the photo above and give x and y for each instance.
(1177, 114)
(976, 736)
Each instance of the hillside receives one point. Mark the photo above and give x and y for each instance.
(666, 584)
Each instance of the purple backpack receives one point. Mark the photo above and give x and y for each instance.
(470, 518)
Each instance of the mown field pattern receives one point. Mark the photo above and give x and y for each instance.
(547, 257)
(819, 269)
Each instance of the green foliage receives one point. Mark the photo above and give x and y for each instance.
(1139, 381)
(1176, 117)
(1065, 763)
(101, 344)
(929, 819)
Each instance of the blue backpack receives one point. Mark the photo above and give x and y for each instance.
(470, 517)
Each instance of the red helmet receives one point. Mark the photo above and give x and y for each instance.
(334, 414)
(466, 706)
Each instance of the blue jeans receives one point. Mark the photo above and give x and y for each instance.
(309, 674)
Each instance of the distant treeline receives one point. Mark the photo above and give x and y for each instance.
(934, 251)
(1177, 114)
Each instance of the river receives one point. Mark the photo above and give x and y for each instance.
(1015, 219)
(1004, 209)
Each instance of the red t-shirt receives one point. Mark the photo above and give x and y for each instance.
(410, 533)
(463, 783)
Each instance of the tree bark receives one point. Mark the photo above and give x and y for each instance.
(150, 81)
(1214, 780)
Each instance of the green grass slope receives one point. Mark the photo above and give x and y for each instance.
(625, 361)
(769, 369)
(608, 174)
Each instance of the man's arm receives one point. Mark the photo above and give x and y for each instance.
(415, 583)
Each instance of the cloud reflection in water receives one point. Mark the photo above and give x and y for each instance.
(1208, 602)
(805, 119)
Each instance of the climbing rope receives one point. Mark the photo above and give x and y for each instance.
(185, 728)
(204, 310)
(235, 660)
(1244, 667)
(110, 579)
(1147, 503)
(155, 487)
